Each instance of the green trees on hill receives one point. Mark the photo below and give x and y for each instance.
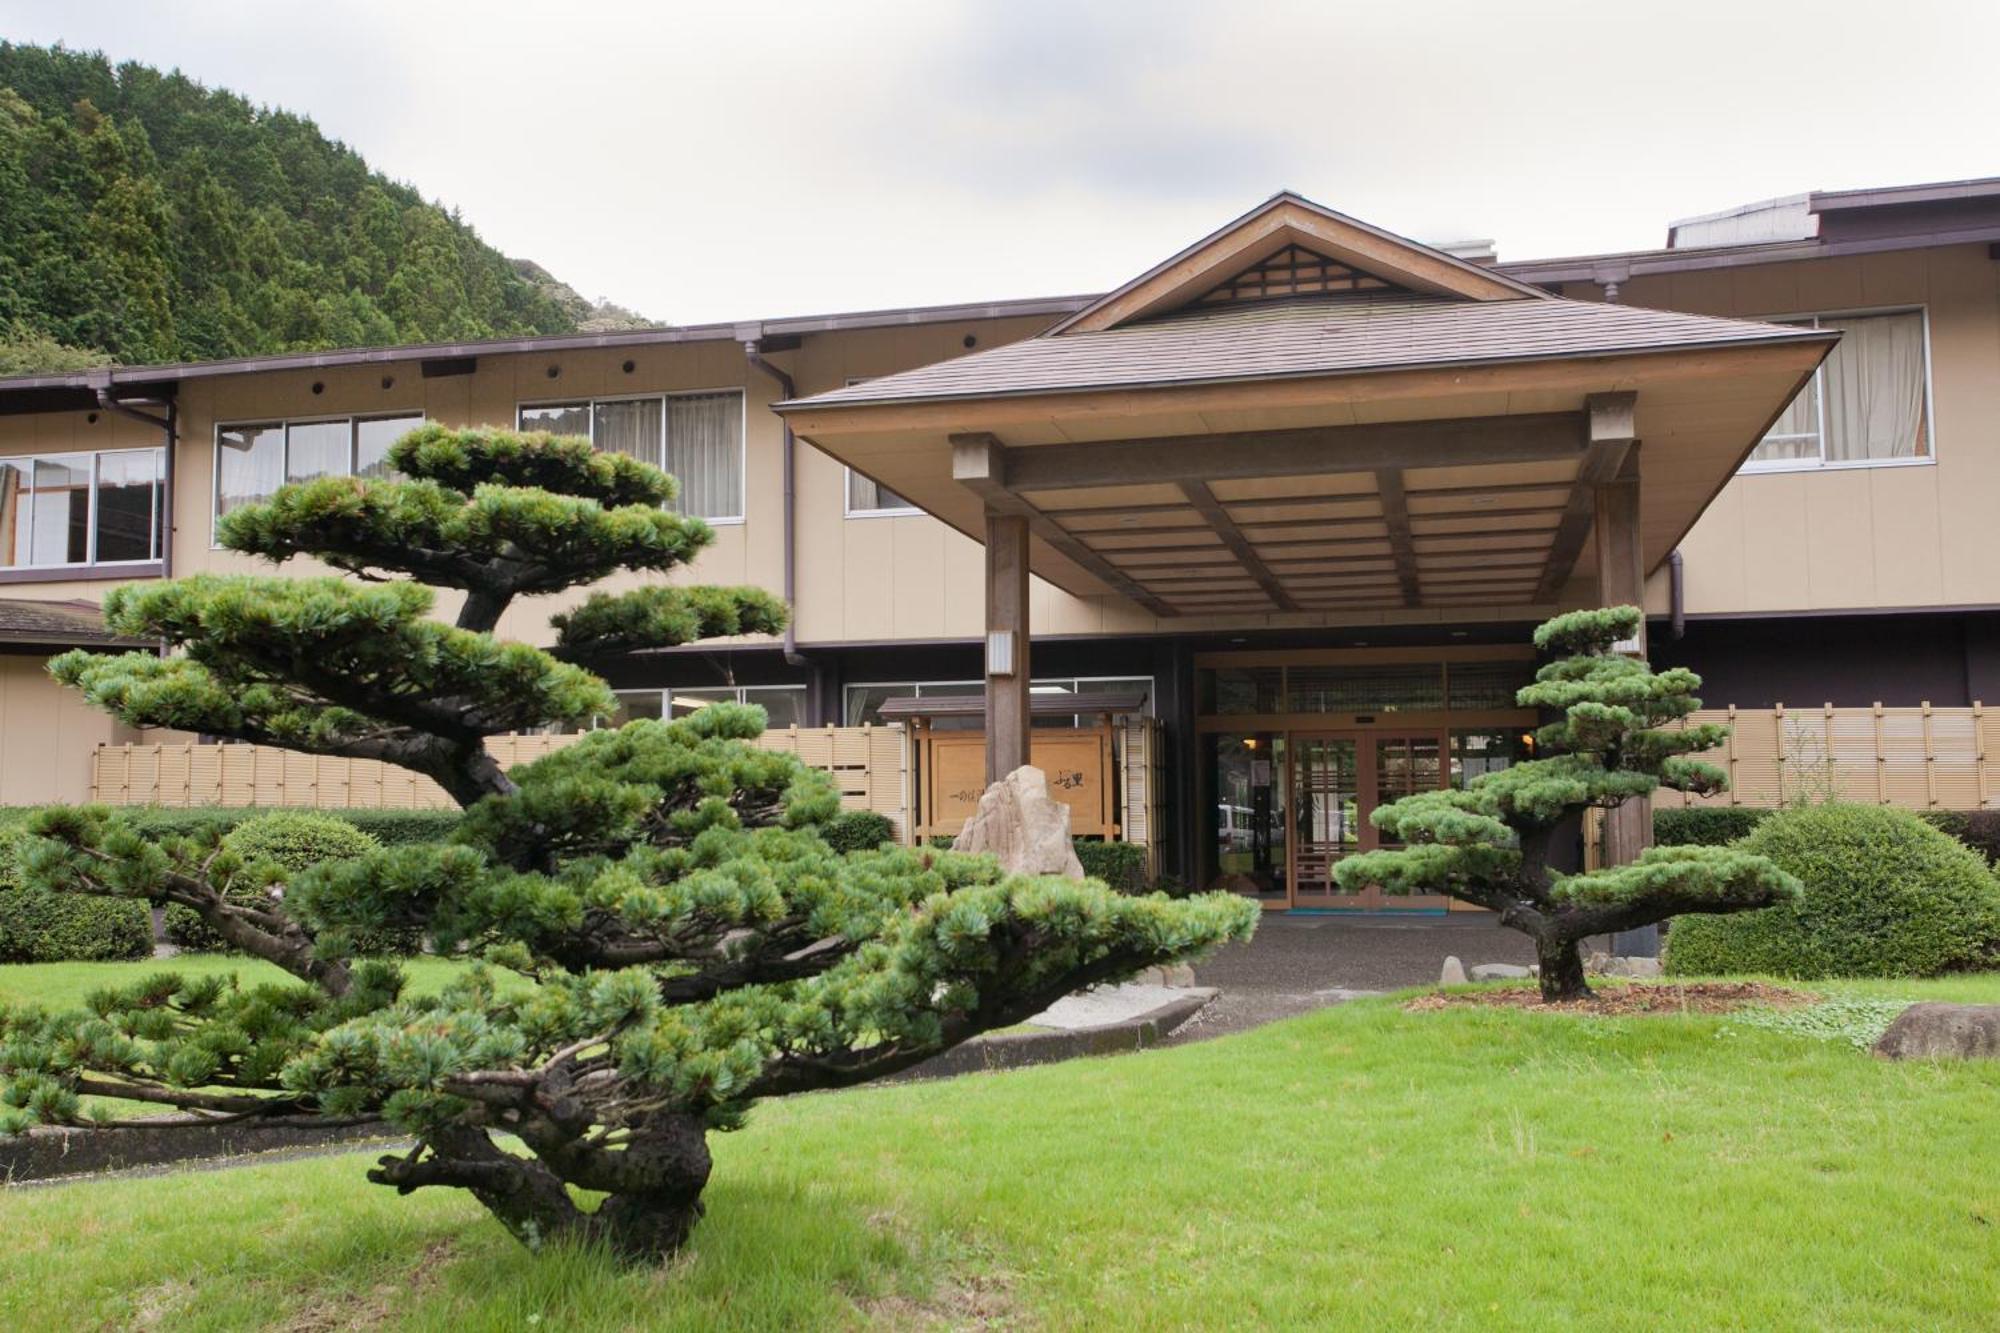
(145, 218)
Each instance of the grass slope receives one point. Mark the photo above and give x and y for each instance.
(1359, 1167)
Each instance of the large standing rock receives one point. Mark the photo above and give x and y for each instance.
(1020, 823)
(1933, 1031)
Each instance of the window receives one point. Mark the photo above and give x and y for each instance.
(864, 702)
(698, 437)
(254, 459)
(871, 499)
(1869, 403)
(783, 705)
(95, 508)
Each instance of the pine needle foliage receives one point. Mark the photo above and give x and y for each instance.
(1610, 741)
(656, 933)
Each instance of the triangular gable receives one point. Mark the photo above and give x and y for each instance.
(1280, 225)
(1293, 271)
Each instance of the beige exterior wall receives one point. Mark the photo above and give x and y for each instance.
(1854, 538)
(48, 735)
(1896, 536)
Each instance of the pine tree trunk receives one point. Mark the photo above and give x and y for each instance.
(1561, 963)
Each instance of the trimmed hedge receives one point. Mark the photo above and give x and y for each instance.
(1121, 865)
(37, 927)
(391, 828)
(296, 840)
(1712, 826)
(857, 831)
(1887, 894)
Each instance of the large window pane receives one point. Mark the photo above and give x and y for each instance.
(865, 495)
(318, 449)
(864, 702)
(1874, 389)
(62, 510)
(249, 465)
(783, 705)
(128, 505)
(558, 418)
(633, 705)
(704, 450)
(16, 511)
(1364, 689)
(1795, 434)
(631, 428)
(372, 438)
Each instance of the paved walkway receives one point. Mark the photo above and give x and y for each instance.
(1300, 963)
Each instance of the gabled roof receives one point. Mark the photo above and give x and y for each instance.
(1284, 221)
(1305, 336)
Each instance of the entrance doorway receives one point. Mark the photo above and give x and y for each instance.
(1339, 778)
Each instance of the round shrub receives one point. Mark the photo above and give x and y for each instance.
(1886, 895)
(295, 840)
(857, 831)
(39, 927)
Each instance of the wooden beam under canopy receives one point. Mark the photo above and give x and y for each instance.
(1610, 431)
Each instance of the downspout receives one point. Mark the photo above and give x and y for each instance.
(168, 426)
(789, 469)
(1676, 594)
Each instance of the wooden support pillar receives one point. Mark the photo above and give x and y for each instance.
(1009, 727)
(1621, 581)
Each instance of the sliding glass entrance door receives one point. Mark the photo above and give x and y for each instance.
(1328, 813)
(1337, 780)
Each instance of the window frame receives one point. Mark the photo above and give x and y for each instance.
(589, 403)
(161, 526)
(1767, 467)
(353, 420)
(905, 510)
(848, 687)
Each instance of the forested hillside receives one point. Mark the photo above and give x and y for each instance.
(145, 218)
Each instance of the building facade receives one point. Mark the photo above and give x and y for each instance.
(1815, 533)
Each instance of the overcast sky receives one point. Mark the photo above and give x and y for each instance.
(745, 160)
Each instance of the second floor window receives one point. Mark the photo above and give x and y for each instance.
(698, 437)
(868, 497)
(98, 508)
(1869, 402)
(253, 460)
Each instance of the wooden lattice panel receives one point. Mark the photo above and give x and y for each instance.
(867, 763)
(1921, 758)
(1294, 271)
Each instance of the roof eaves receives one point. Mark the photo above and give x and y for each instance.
(1779, 335)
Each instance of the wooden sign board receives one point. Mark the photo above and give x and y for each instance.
(1078, 764)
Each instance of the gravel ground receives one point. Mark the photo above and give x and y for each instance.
(1300, 963)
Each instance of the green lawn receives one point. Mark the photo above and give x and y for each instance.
(63, 985)
(1361, 1167)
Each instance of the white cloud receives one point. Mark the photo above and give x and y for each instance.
(732, 161)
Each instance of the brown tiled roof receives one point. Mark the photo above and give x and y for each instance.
(1327, 335)
(67, 624)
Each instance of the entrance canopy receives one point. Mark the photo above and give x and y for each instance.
(1304, 414)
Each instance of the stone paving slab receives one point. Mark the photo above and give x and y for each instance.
(1102, 1006)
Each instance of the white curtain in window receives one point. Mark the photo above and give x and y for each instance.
(705, 453)
(250, 465)
(864, 494)
(630, 427)
(372, 438)
(1795, 434)
(319, 449)
(1874, 387)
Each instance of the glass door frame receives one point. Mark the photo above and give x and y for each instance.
(1367, 743)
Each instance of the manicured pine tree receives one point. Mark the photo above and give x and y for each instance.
(663, 937)
(1492, 843)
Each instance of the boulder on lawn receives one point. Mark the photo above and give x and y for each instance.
(1453, 973)
(1021, 824)
(1499, 972)
(1933, 1031)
